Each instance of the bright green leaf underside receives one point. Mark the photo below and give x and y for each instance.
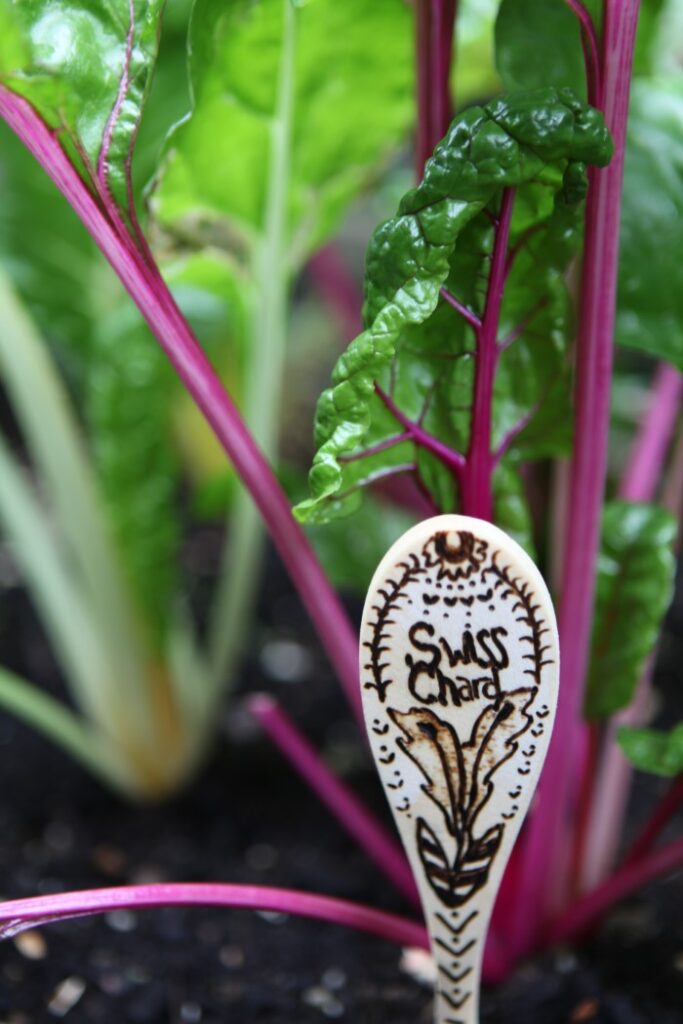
(86, 68)
(660, 753)
(650, 301)
(635, 580)
(352, 101)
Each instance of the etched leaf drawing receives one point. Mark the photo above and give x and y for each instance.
(459, 781)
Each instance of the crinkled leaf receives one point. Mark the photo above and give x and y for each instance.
(538, 42)
(46, 250)
(415, 345)
(87, 70)
(350, 103)
(650, 302)
(660, 753)
(634, 586)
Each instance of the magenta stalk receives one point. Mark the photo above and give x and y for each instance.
(648, 455)
(475, 481)
(656, 823)
(587, 911)
(543, 878)
(344, 805)
(591, 52)
(450, 458)
(434, 31)
(639, 483)
(18, 915)
(155, 302)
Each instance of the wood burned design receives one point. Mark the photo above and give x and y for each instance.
(459, 666)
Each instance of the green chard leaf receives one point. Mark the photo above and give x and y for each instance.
(133, 407)
(538, 42)
(417, 348)
(128, 408)
(288, 98)
(87, 71)
(473, 72)
(659, 753)
(48, 254)
(650, 300)
(635, 582)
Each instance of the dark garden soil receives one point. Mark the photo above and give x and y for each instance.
(248, 819)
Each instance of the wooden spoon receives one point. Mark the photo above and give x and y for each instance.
(459, 669)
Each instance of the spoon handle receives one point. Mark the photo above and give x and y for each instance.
(459, 671)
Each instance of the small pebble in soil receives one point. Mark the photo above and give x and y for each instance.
(323, 1000)
(334, 978)
(565, 961)
(420, 966)
(286, 661)
(273, 916)
(585, 1011)
(148, 874)
(231, 957)
(121, 920)
(113, 984)
(66, 995)
(31, 944)
(137, 975)
(109, 860)
(190, 1013)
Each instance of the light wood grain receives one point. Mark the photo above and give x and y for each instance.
(459, 671)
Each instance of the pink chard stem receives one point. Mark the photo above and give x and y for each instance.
(543, 882)
(663, 813)
(434, 32)
(587, 912)
(18, 915)
(476, 478)
(354, 817)
(591, 52)
(146, 287)
(648, 455)
(643, 472)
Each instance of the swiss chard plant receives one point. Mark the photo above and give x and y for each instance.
(481, 382)
(233, 236)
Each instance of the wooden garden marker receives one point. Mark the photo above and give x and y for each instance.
(459, 669)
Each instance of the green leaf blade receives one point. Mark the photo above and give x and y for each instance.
(538, 42)
(650, 299)
(659, 753)
(352, 105)
(635, 580)
(87, 71)
(440, 237)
